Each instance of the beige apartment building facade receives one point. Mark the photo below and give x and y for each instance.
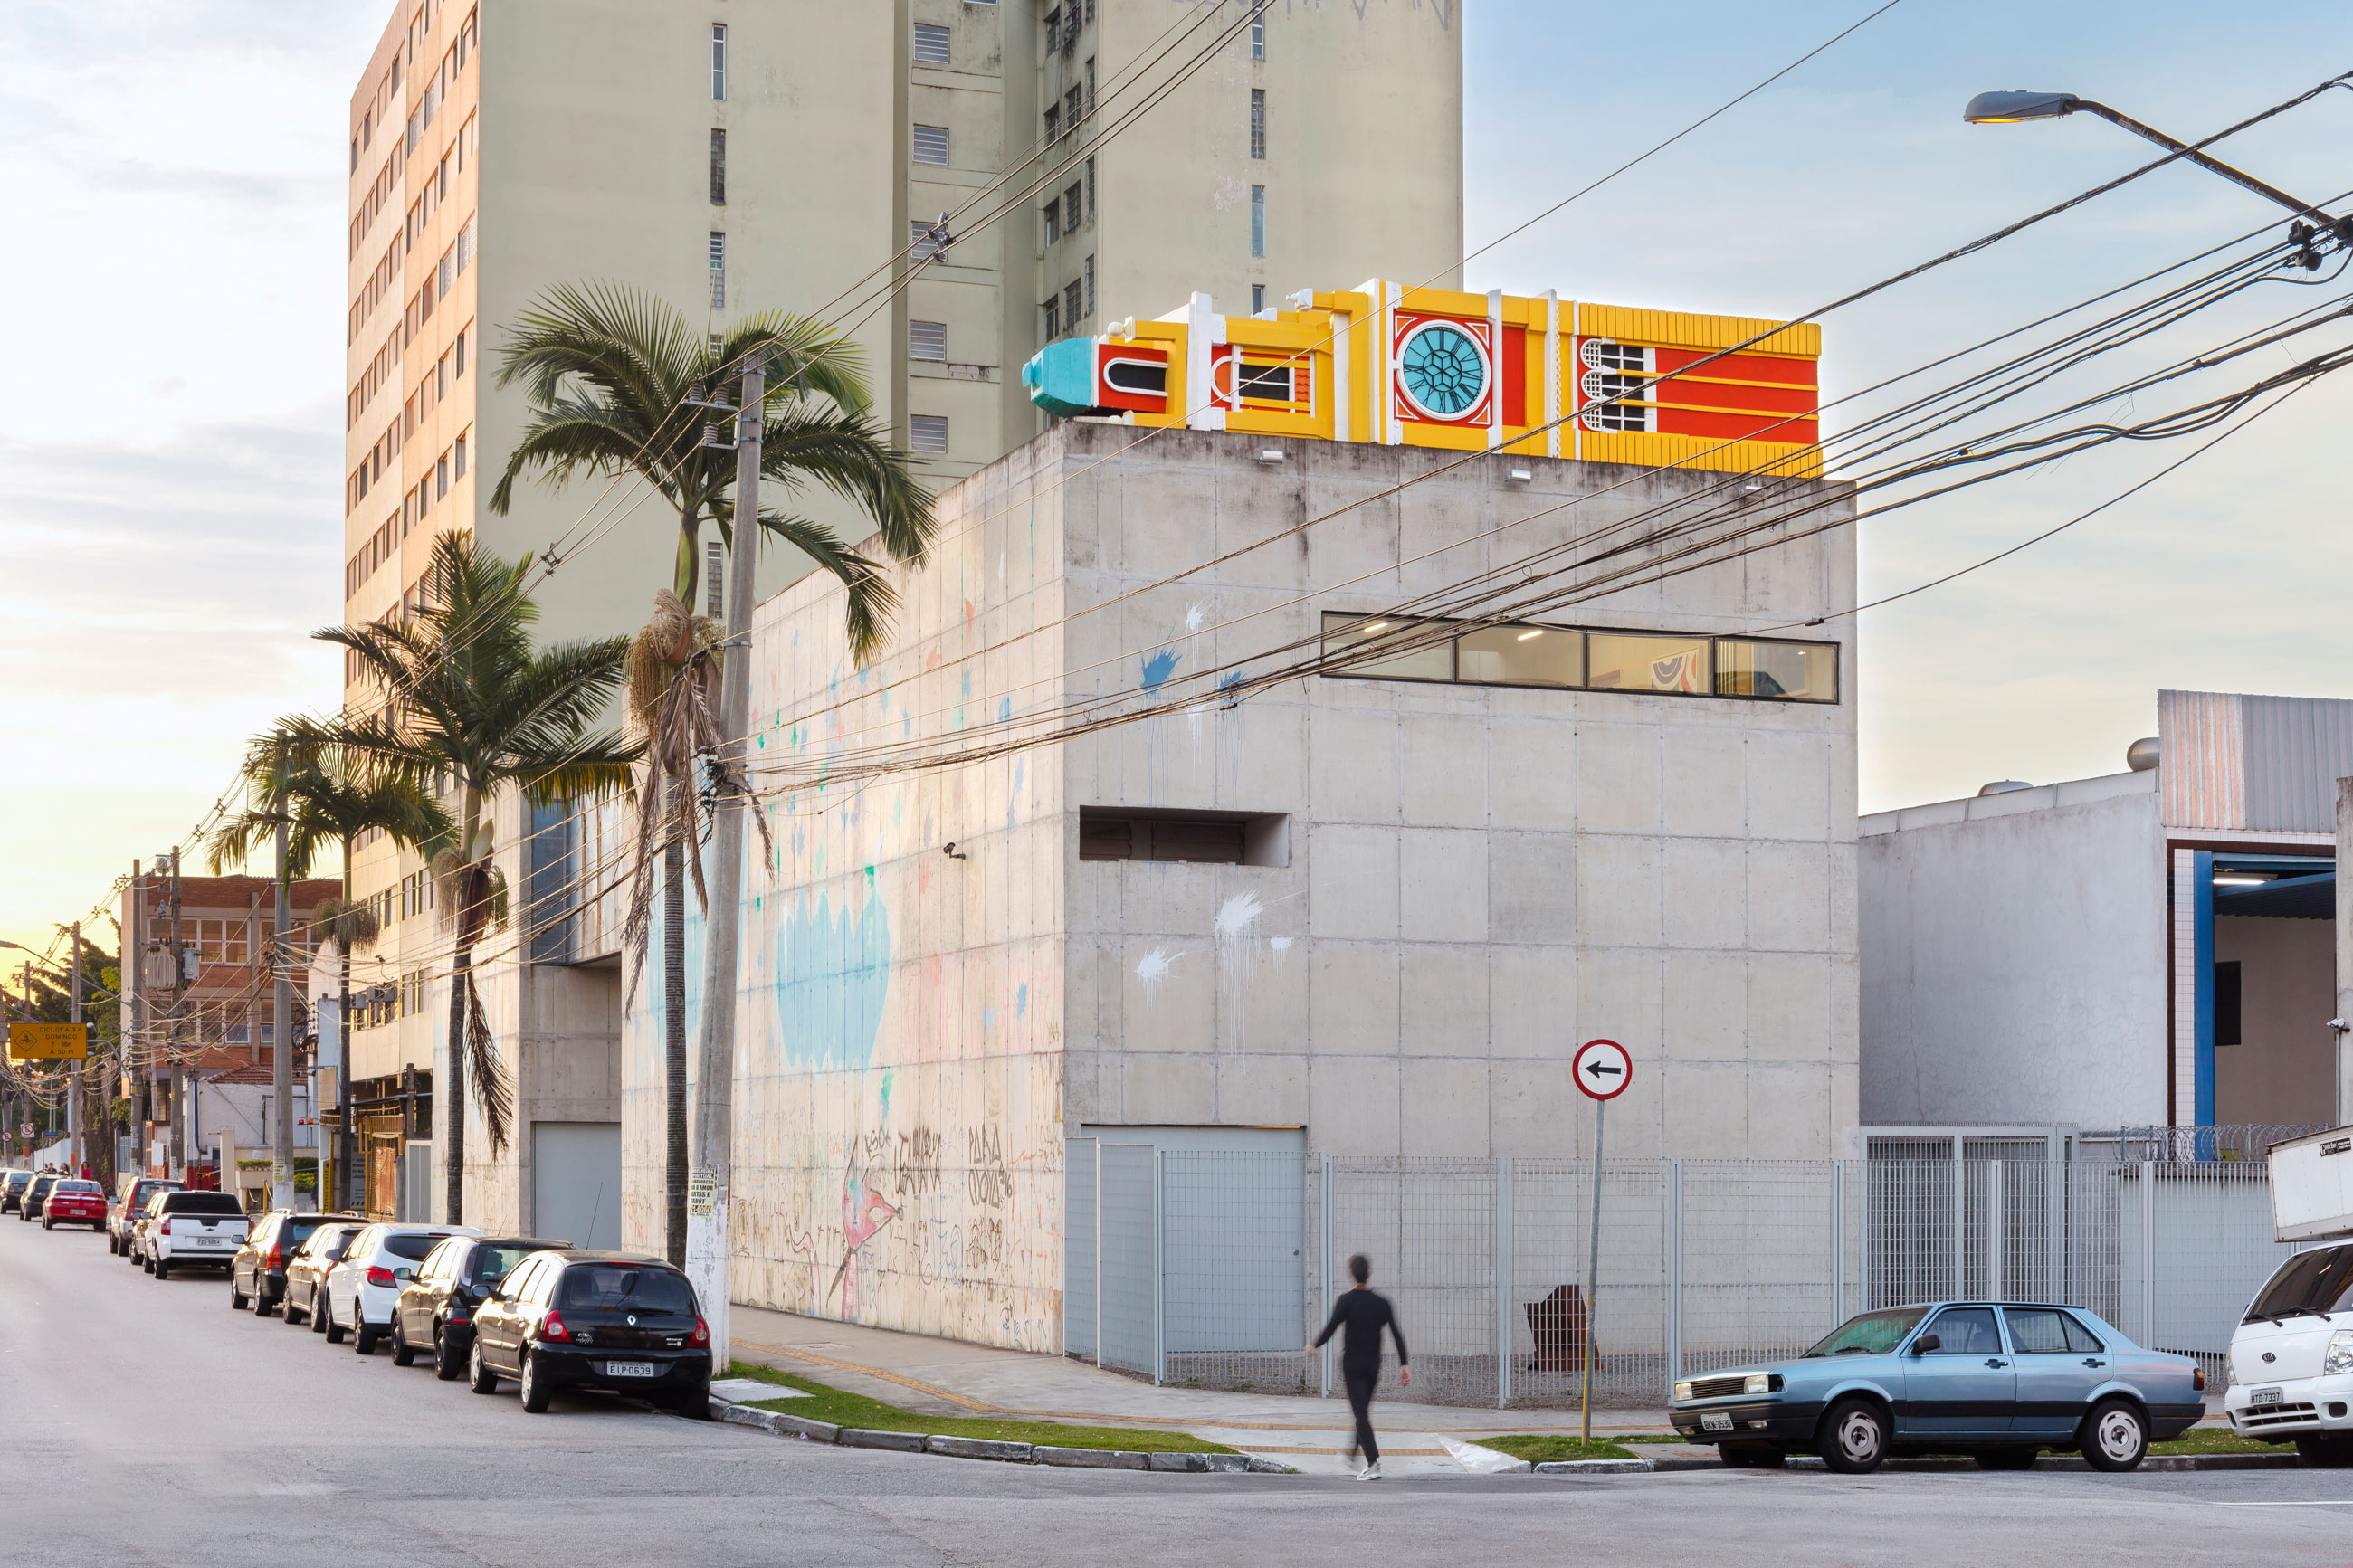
(758, 156)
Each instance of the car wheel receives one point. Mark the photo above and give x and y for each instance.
(2324, 1451)
(285, 1312)
(146, 1263)
(49, 1224)
(364, 1338)
(535, 1391)
(695, 1405)
(113, 1247)
(2114, 1435)
(334, 1330)
(479, 1377)
(402, 1353)
(446, 1365)
(1750, 1456)
(1854, 1437)
(2006, 1458)
(261, 1302)
(318, 1314)
(236, 1297)
(163, 1269)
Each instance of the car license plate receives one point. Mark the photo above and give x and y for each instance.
(1715, 1421)
(2264, 1396)
(630, 1369)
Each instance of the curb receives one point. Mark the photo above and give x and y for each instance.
(779, 1425)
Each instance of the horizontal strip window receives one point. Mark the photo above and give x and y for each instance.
(1569, 658)
(1201, 838)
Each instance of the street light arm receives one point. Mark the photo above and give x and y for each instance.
(2184, 150)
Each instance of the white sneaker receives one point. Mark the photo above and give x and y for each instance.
(1371, 1472)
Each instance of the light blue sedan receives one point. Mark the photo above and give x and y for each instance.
(1999, 1380)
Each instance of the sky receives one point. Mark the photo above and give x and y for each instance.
(170, 445)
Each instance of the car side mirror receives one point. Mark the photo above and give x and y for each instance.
(1926, 1343)
(402, 1274)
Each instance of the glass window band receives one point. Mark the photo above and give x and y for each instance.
(1687, 664)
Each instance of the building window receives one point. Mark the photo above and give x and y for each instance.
(718, 60)
(930, 143)
(718, 270)
(1054, 122)
(931, 45)
(463, 332)
(1258, 122)
(457, 461)
(1258, 220)
(717, 168)
(1258, 29)
(466, 246)
(1091, 187)
(1520, 654)
(1074, 301)
(1258, 297)
(1210, 838)
(1054, 313)
(1610, 399)
(1053, 220)
(2228, 1011)
(441, 476)
(924, 240)
(927, 340)
(1053, 29)
(1070, 205)
(928, 432)
(1074, 105)
(1089, 275)
(715, 578)
(1091, 84)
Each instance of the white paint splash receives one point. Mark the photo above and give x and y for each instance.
(1281, 945)
(1153, 967)
(1194, 616)
(1237, 962)
(1238, 915)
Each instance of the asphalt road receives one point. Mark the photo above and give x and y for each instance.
(145, 1423)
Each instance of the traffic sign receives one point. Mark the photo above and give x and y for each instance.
(1603, 1070)
(47, 1042)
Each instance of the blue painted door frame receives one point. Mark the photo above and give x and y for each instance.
(2202, 976)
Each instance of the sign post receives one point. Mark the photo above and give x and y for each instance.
(1602, 1070)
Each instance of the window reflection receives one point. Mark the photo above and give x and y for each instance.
(1800, 672)
(1393, 649)
(1634, 663)
(1521, 656)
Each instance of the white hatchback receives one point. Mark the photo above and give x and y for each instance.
(365, 1288)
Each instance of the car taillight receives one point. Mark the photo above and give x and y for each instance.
(553, 1332)
(702, 1335)
(380, 1276)
(2197, 1377)
(165, 1228)
(277, 1258)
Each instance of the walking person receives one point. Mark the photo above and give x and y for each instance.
(1364, 1312)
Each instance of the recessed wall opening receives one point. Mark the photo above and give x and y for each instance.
(1210, 838)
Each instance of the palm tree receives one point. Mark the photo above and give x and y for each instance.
(326, 799)
(613, 376)
(468, 701)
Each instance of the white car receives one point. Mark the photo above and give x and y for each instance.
(365, 1288)
(183, 1229)
(2290, 1366)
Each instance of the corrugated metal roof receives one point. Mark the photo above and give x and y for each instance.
(2261, 763)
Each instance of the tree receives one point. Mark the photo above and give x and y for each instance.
(470, 705)
(613, 376)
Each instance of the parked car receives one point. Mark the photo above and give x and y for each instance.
(11, 1188)
(436, 1310)
(365, 1286)
(257, 1274)
(307, 1270)
(2288, 1375)
(131, 1192)
(594, 1319)
(1996, 1380)
(188, 1228)
(29, 1208)
(74, 1202)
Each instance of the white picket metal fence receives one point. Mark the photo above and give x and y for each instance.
(1213, 1269)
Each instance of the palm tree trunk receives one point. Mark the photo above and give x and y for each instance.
(453, 1093)
(674, 1042)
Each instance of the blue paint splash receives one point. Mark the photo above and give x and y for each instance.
(1021, 1000)
(1005, 711)
(833, 974)
(1159, 668)
(1228, 681)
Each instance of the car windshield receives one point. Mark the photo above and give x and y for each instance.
(2310, 1284)
(1873, 1334)
(493, 1264)
(413, 1247)
(625, 1287)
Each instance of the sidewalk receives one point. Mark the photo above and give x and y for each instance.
(947, 1377)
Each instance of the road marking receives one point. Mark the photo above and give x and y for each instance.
(2292, 1502)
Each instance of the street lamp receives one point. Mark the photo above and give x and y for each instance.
(2011, 108)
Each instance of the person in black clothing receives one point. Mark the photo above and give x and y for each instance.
(1366, 1313)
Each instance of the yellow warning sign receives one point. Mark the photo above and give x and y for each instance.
(47, 1042)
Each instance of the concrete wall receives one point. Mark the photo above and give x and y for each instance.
(1477, 878)
(2284, 1067)
(2013, 958)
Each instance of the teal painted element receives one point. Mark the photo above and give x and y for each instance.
(833, 974)
(1021, 1000)
(1062, 377)
(1159, 668)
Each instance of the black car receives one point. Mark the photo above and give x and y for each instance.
(436, 1308)
(594, 1319)
(11, 1188)
(257, 1273)
(29, 1206)
(307, 1270)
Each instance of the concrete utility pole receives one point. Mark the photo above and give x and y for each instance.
(74, 1070)
(282, 1022)
(180, 1109)
(707, 1246)
(133, 1013)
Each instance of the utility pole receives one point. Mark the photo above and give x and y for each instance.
(134, 1012)
(282, 1020)
(74, 1070)
(178, 1168)
(707, 1246)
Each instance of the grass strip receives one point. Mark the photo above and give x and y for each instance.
(841, 1408)
(1550, 1447)
(2215, 1440)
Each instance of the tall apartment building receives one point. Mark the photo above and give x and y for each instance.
(758, 155)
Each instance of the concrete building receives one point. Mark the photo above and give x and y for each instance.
(2155, 947)
(1370, 911)
(766, 156)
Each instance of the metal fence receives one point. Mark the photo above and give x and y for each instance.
(1212, 1270)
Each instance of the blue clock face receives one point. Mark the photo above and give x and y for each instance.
(1442, 370)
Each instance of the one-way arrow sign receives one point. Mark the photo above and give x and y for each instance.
(1602, 1069)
